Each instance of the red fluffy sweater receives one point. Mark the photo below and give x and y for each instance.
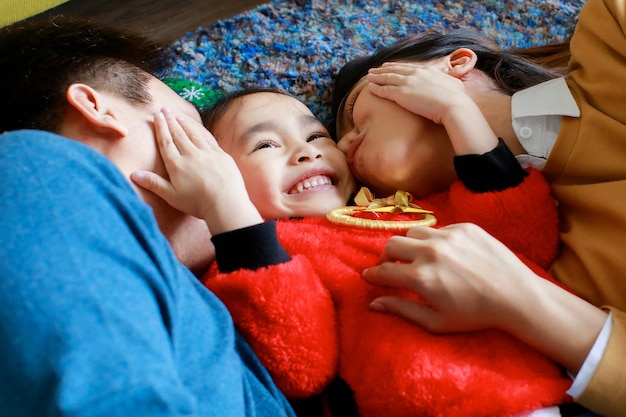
(308, 319)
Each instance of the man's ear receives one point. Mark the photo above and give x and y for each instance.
(461, 62)
(95, 109)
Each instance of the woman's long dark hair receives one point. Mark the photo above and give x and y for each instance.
(511, 70)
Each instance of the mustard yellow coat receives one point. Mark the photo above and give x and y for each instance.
(587, 169)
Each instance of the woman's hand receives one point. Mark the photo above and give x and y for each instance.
(203, 180)
(471, 281)
(457, 277)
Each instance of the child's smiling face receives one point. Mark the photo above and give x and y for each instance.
(290, 164)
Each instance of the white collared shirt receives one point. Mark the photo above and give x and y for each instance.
(536, 113)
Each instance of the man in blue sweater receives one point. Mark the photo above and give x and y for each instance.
(97, 315)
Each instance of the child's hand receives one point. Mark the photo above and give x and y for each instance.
(429, 92)
(421, 89)
(204, 181)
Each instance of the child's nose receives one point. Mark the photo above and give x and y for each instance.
(308, 152)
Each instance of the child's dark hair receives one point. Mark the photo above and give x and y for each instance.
(512, 71)
(41, 59)
(212, 114)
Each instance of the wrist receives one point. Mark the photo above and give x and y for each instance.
(495, 170)
(555, 322)
(219, 218)
(249, 248)
(467, 128)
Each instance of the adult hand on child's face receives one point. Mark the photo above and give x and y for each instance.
(468, 279)
(204, 181)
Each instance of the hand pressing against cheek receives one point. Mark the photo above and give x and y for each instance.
(203, 180)
(425, 90)
(439, 96)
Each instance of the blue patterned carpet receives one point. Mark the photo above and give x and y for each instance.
(301, 48)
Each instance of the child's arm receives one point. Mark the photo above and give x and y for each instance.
(523, 217)
(288, 317)
(483, 162)
(281, 307)
(496, 192)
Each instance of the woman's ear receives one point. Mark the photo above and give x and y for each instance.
(461, 61)
(94, 108)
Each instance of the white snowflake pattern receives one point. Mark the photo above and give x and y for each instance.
(192, 93)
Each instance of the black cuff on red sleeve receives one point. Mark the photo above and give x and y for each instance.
(495, 170)
(252, 248)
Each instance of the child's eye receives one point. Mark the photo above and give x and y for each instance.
(318, 135)
(264, 144)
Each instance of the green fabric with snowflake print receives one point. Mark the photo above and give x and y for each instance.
(195, 93)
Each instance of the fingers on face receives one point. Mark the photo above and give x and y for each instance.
(168, 134)
(186, 134)
(401, 68)
(165, 142)
(153, 182)
(179, 131)
(384, 78)
(195, 132)
(161, 128)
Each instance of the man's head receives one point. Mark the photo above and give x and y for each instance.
(98, 86)
(39, 61)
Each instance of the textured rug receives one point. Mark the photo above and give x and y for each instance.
(300, 45)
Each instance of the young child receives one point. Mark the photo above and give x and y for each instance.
(306, 312)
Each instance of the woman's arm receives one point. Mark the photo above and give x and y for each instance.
(471, 281)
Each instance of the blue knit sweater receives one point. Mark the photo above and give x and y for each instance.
(97, 317)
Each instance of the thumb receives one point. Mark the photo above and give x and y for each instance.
(153, 183)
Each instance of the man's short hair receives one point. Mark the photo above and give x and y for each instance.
(41, 59)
